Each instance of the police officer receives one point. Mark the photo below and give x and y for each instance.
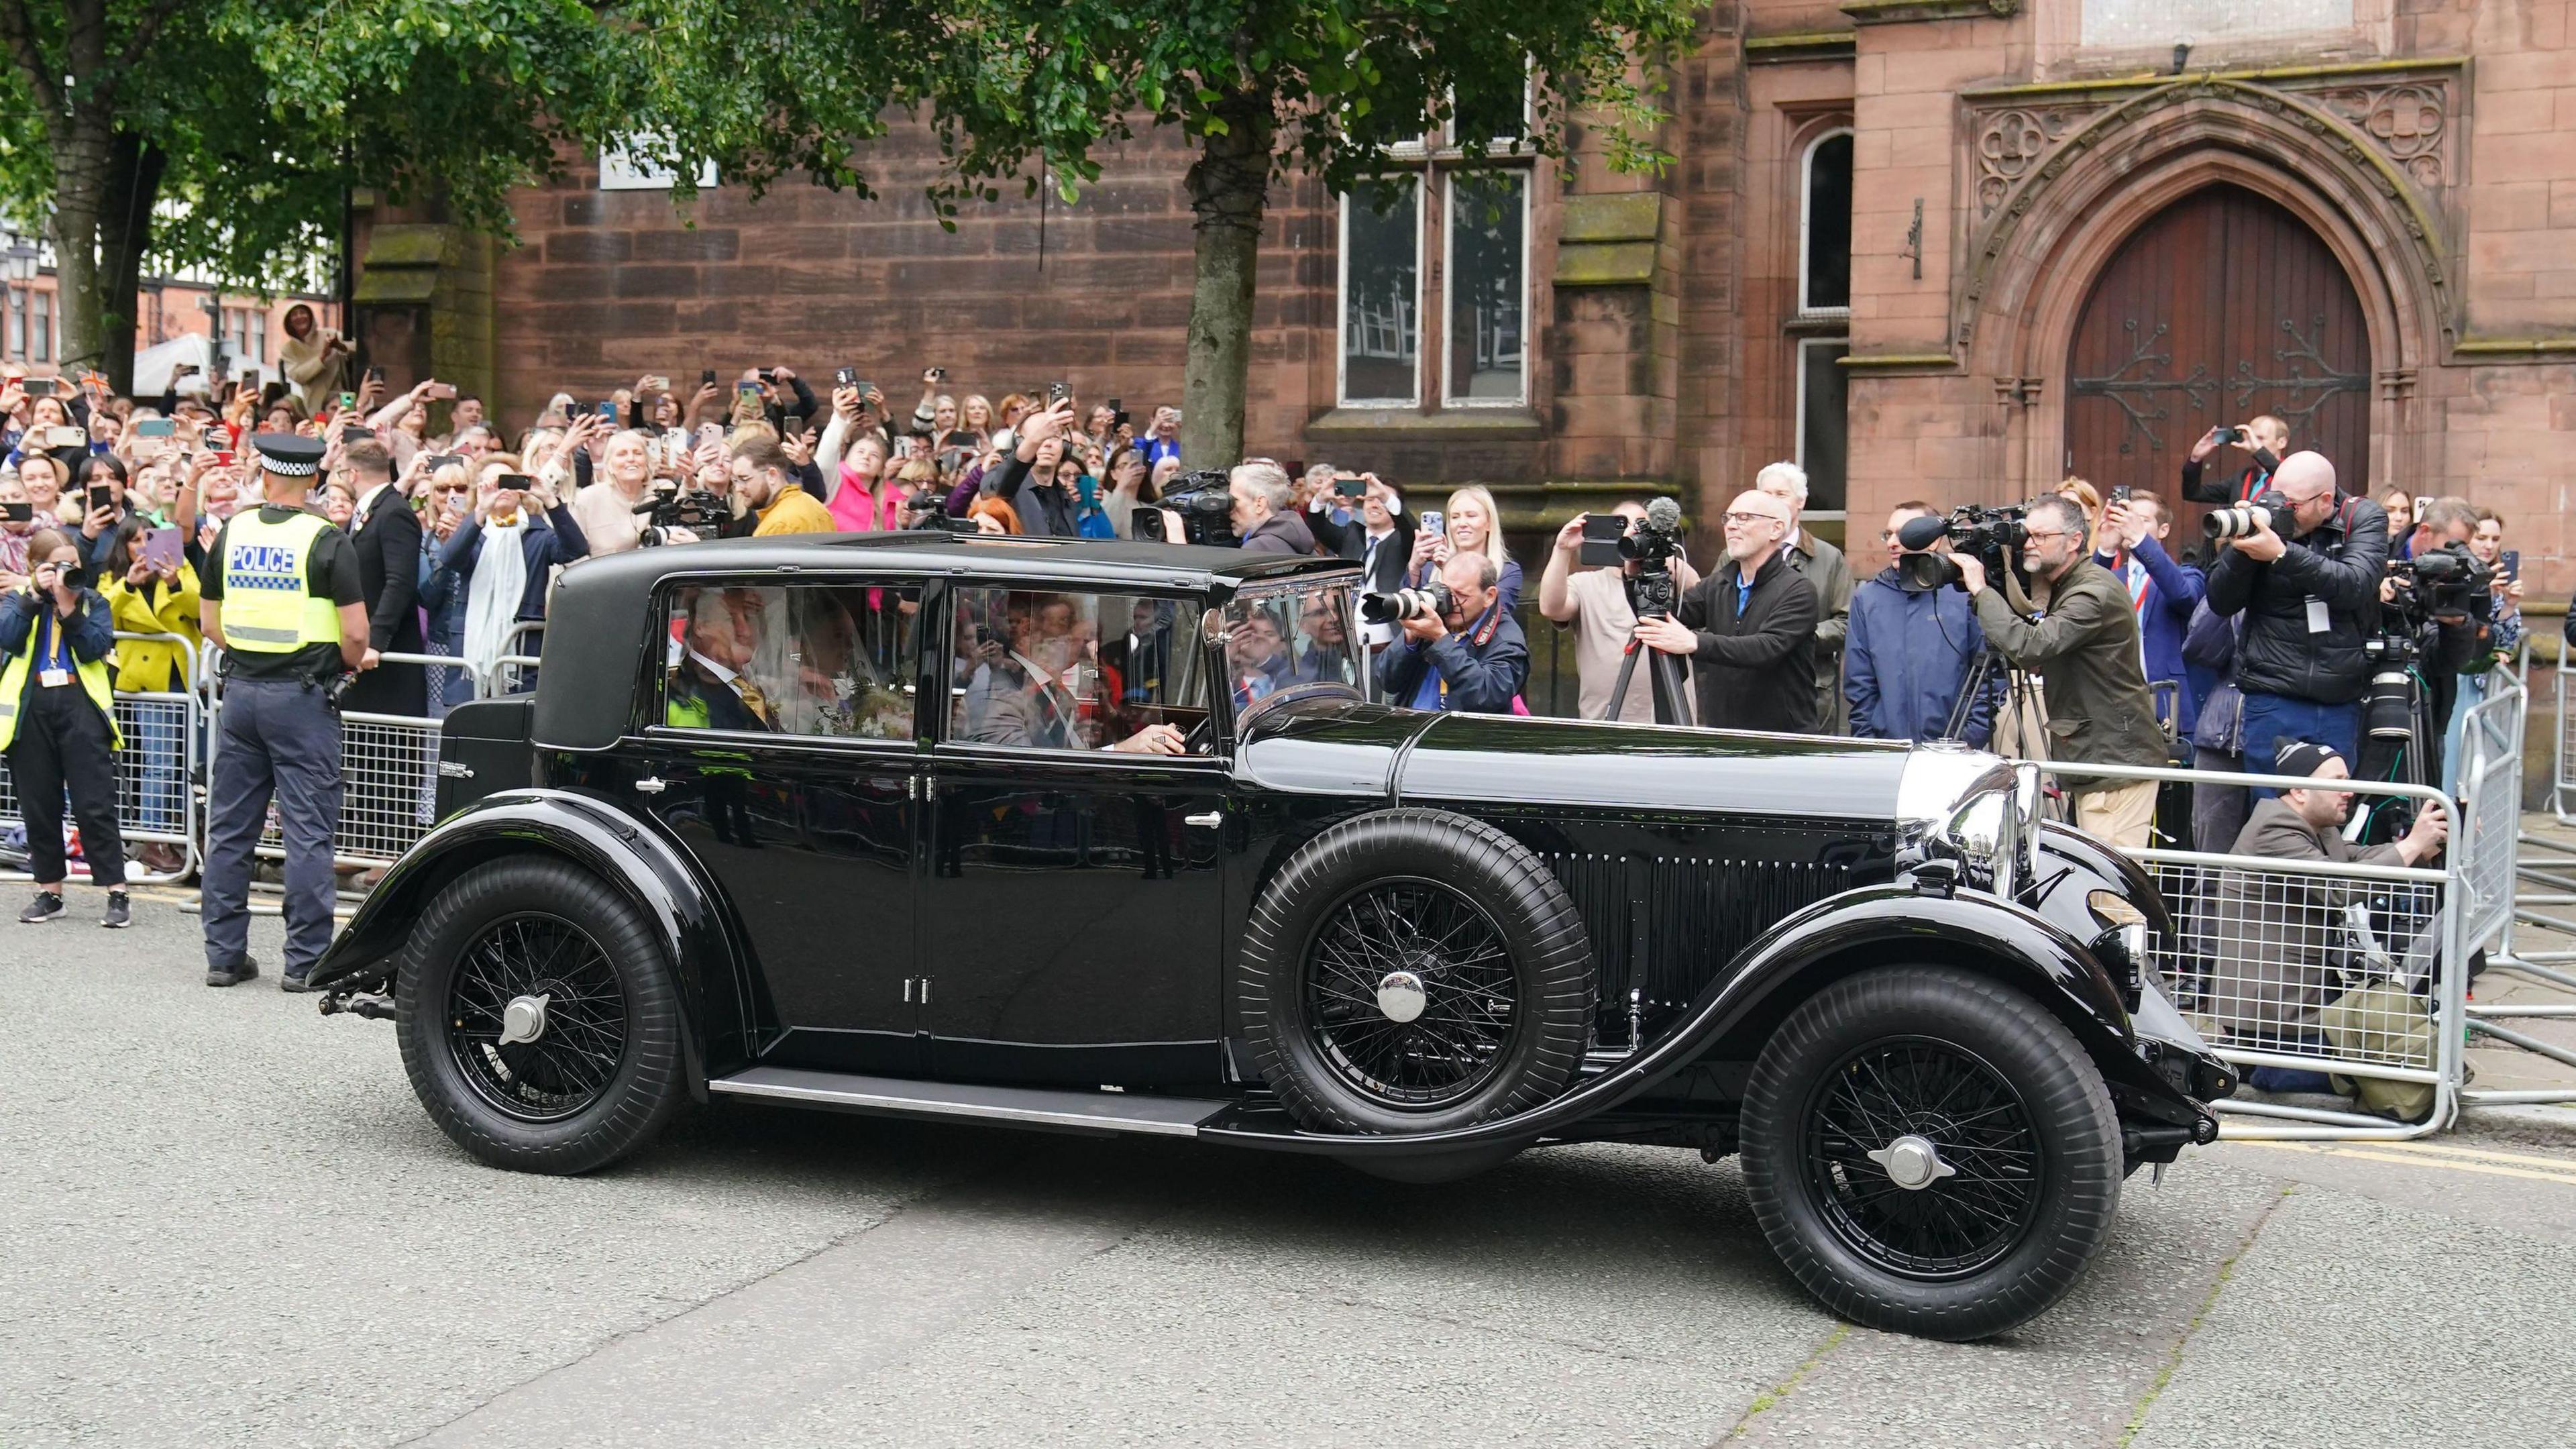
(283, 601)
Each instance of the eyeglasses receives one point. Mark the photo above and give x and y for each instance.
(1751, 518)
(2047, 533)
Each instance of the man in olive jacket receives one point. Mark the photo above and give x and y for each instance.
(1749, 629)
(2084, 648)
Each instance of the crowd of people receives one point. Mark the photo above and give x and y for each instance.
(2093, 637)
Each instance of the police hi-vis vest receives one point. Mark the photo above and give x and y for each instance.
(13, 688)
(268, 606)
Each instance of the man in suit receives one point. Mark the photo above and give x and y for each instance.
(2162, 592)
(386, 535)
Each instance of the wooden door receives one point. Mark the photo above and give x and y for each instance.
(2222, 307)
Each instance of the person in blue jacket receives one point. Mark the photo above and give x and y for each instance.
(2132, 547)
(1908, 652)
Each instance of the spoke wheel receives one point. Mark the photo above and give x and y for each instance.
(582, 1017)
(1941, 1215)
(1413, 993)
(1930, 1151)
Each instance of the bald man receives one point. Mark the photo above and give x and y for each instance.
(1749, 628)
(2307, 584)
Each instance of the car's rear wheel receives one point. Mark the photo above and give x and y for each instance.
(1413, 971)
(1930, 1152)
(538, 1020)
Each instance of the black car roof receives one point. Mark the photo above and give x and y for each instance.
(600, 614)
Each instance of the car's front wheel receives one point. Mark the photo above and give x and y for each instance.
(538, 1019)
(1930, 1152)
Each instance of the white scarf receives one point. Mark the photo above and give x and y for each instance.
(492, 599)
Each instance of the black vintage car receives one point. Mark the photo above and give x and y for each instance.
(1105, 838)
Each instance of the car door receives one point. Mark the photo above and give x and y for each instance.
(1071, 910)
(788, 759)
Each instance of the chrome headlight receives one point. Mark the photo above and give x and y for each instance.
(1978, 809)
(2123, 943)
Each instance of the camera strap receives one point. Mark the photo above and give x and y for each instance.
(1483, 634)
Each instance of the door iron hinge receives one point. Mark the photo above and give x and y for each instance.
(652, 785)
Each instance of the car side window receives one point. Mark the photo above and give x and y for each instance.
(823, 660)
(1049, 669)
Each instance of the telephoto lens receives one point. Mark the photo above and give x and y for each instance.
(1397, 605)
(2241, 521)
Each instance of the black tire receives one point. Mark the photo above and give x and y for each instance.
(605, 1074)
(1369, 892)
(2019, 1115)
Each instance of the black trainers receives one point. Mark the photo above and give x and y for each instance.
(46, 906)
(248, 970)
(118, 916)
(293, 981)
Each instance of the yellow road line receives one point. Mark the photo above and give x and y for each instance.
(2372, 1154)
(2481, 1154)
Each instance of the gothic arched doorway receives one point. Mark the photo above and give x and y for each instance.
(2221, 307)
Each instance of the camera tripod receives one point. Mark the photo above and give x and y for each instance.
(1671, 695)
(1655, 594)
(2399, 742)
(2020, 702)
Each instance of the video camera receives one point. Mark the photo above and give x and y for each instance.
(698, 510)
(2445, 580)
(1994, 536)
(2244, 520)
(929, 512)
(1431, 601)
(1204, 505)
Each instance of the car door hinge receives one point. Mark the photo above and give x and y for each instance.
(925, 991)
(912, 787)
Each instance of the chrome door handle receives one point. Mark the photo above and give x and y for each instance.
(651, 785)
(1210, 821)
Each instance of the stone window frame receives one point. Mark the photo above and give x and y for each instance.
(1839, 343)
(1431, 164)
(1806, 189)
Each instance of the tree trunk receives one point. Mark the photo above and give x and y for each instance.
(1229, 190)
(80, 182)
(124, 235)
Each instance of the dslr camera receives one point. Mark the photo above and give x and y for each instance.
(698, 510)
(929, 512)
(1993, 535)
(1395, 606)
(2244, 520)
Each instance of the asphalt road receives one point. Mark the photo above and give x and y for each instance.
(227, 1222)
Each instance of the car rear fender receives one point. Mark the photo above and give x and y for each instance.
(1834, 938)
(648, 869)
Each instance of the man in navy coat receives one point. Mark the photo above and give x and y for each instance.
(2162, 591)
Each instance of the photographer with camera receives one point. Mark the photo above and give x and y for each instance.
(1824, 566)
(1264, 513)
(1748, 629)
(2265, 439)
(2163, 592)
(2084, 648)
(58, 724)
(1591, 585)
(1460, 649)
(1913, 645)
(2302, 564)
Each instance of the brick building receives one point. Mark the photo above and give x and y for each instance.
(1943, 248)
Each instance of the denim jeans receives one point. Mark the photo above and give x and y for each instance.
(2271, 721)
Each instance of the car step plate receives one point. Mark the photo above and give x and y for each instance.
(1019, 1106)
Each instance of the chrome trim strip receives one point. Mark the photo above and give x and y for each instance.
(1031, 1106)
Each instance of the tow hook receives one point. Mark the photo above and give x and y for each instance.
(371, 1005)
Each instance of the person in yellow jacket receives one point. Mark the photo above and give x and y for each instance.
(151, 592)
(58, 724)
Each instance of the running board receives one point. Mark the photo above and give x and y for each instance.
(1057, 1111)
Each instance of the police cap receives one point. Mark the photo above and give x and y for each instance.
(288, 455)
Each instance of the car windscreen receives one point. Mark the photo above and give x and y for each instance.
(1279, 636)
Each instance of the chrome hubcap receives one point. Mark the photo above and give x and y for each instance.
(524, 1019)
(1400, 996)
(1912, 1162)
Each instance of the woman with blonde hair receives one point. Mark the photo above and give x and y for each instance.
(2085, 496)
(1473, 524)
(977, 417)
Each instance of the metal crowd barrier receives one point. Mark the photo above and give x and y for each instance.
(2345, 969)
(388, 777)
(156, 799)
(506, 670)
(2361, 971)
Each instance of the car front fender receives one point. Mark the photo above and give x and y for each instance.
(648, 869)
(1836, 937)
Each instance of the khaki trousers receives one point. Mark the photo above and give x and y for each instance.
(2122, 816)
